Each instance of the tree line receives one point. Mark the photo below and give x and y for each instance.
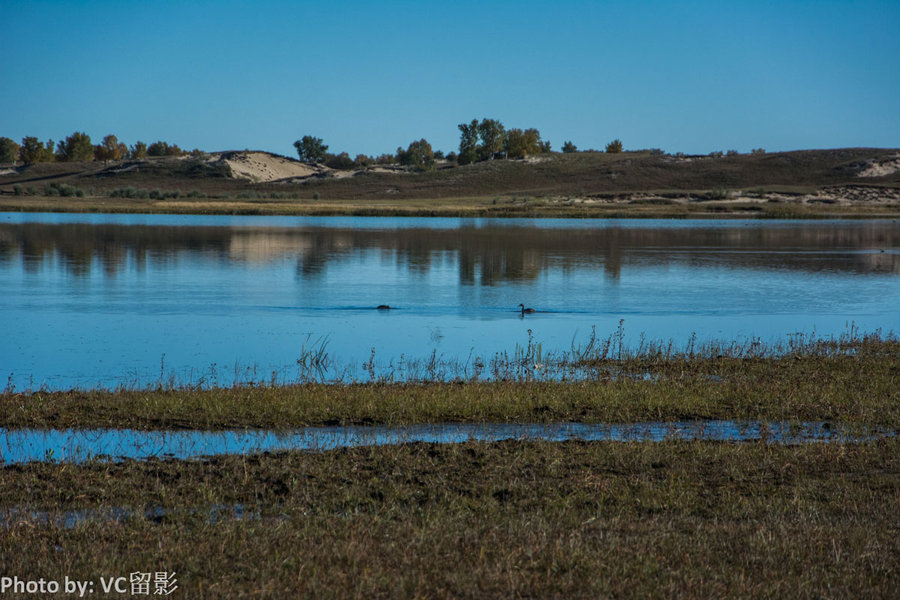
(487, 139)
(78, 147)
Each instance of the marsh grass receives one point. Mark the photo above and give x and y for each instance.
(508, 519)
(852, 379)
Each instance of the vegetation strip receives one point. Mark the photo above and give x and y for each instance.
(853, 381)
(521, 519)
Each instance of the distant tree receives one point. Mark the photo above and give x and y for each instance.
(519, 144)
(568, 147)
(758, 151)
(138, 150)
(310, 149)
(468, 142)
(439, 155)
(418, 155)
(75, 147)
(385, 159)
(160, 148)
(492, 133)
(545, 146)
(716, 154)
(362, 161)
(340, 161)
(9, 150)
(732, 153)
(614, 147)
(452, 157)
(110, 149)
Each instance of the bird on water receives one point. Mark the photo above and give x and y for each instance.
(526, 311)
(382, 307)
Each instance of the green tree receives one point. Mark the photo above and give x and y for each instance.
(492, 133)
(514, 144)
(418, 155)
(468, 142)
(614, 147)
(33, 151)
(138, 150)
(160, 148)
(568, 147)
(9, 150)
(519, 144)
(75, 147)
(310, 149)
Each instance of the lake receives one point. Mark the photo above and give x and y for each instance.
(133, 300)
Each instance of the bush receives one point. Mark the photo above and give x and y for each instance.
(758, 151)
(568, 147)
(732, 153)
(614, 147)
(17, 189)
(716, 154)
(340, 161)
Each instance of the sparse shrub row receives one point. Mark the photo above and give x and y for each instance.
(254, 195)
(50, 189)
(156, 194)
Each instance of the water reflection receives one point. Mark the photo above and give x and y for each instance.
(484, 253)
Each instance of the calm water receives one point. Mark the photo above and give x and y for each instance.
(78, 445)
(108, 300)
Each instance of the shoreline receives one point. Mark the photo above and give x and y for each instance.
(632, 206)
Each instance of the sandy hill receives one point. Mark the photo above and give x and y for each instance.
(263, 167)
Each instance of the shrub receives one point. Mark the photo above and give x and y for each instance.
(340, 161)
(758, 151)
(17, 189)
(614, 147)
(568, 147)
(732, 153)
(716, 154)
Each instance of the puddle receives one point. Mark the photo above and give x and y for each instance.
(79, 445)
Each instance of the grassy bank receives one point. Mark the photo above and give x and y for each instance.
(624, 206)
(854, 382)
(510, 519)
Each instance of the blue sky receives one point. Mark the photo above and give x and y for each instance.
(371, 76)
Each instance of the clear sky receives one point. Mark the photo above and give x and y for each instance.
(370, 76)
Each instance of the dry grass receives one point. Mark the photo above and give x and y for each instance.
(576, 185)
(854, 381)
(511, 519)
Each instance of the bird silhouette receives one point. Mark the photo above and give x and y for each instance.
(526, 311)
(382, 307)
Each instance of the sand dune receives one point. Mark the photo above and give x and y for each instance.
(264, 167)
(880, 168)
